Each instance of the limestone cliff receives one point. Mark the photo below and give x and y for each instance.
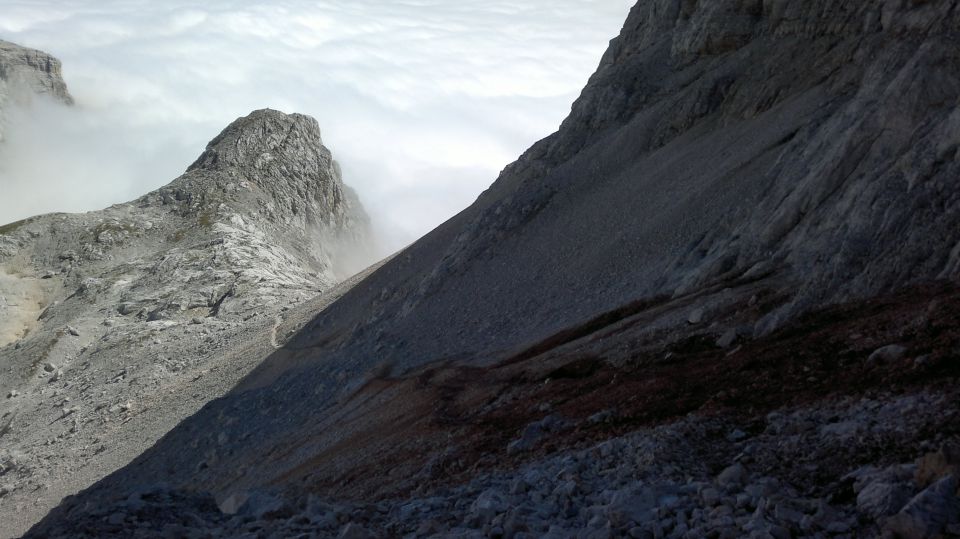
(27, 72)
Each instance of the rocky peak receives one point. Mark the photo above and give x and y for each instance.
(26, 71)
(271, 165)
(263, 139)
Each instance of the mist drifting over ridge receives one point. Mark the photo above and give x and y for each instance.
(423, 103)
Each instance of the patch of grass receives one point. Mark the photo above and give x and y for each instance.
(178, 235)
(207, 218)
(114, 227)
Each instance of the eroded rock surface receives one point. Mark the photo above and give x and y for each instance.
(131, 318)
(28, 72)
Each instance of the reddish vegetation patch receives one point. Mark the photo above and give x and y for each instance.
(447, 423)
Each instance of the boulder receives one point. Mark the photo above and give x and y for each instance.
(929, 513)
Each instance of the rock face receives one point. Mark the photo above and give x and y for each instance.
(125, 320)
(27, 72)
(746, 161)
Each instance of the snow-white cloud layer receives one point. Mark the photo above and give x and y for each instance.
(422, 101)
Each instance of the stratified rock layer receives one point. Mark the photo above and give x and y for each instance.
(26, 72)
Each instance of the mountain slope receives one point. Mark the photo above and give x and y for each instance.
(118, 323)
(731, 167)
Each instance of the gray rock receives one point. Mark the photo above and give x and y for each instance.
(881, 499)
(263, 506)
(787, 514)
(627, 506)
(929, 512)
(732, 476)
(487, 506)
(355, 531)
(941, 463)
(710, 496)
(727, 339)
(887, 354)
(534, 433)
(841, 429)
(736, 436)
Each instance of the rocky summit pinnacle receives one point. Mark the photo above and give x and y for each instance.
(26, 72)
(173, 296)
(265, 137)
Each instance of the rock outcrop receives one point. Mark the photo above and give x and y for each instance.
(115, 324)
(732, 167)
(27, 72)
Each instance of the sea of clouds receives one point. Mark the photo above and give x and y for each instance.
(422, 101)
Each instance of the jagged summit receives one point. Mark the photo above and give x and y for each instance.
(265, 138)
(28, 72)
(268, 166)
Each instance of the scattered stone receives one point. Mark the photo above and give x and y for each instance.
(929, 513)
(736, 436)
(710, 496)
(601, 417)
(355, 531)
(784, 513)
(841, 429)
(887, 354)
(696, 316)
(933, 466)
(264, 506)
(881, 499)
(231, 504)
(727, 339)
(535, 432)
(488, 505)
(73, 331)
(732, 476)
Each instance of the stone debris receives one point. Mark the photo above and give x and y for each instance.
(651, 483)
(929, 513)
(887, 354)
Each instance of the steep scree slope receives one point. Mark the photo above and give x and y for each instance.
(130, 318)
(730, 166)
